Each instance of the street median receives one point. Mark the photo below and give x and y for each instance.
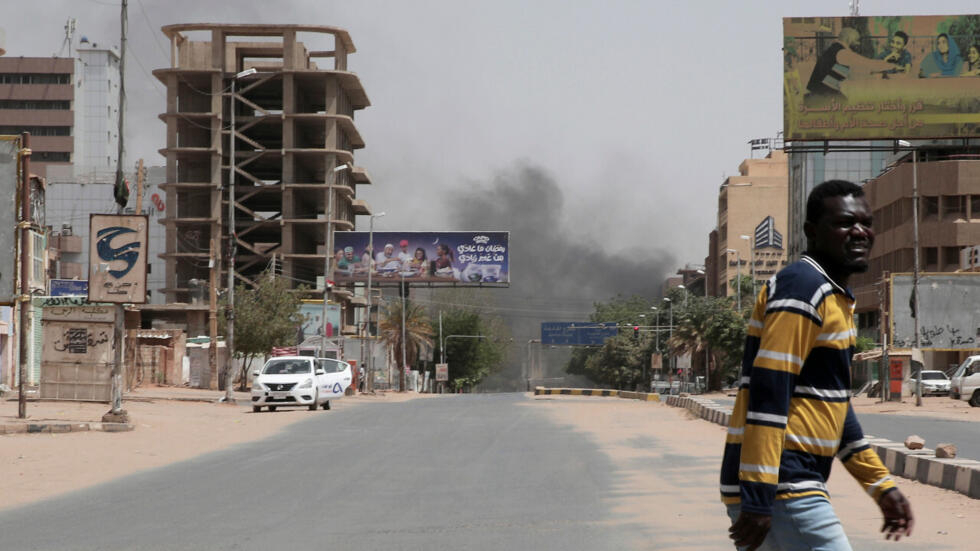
(642, 396)
(959, 475)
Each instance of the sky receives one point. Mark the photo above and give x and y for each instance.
(601, 130)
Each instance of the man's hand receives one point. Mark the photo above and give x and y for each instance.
(898, 515)
(750, 530)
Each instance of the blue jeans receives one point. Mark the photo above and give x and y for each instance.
(802, 524)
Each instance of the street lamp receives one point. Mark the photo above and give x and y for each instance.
(915, 259)
(328, 256)
(751, 259)
(369, 372)
(232, 245)
(670, 332)
(681, 286)
(738, 277)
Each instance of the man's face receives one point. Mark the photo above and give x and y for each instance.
(389, 251)
(348, 254)
(843, 236)
(897, 44)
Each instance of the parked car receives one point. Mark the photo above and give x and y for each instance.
(291, 381)
(965, 383)
(933, 382)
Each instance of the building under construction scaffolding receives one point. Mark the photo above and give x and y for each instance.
(281, 136)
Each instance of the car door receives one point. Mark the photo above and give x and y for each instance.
(970, 380)
(336, 379)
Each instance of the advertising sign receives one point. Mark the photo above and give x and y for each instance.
(580, 333)
(474, 259)
(117, 258)
(68, 288)
(442, 372)
(312, 312)
(883, 77)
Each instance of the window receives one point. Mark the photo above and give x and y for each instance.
(35, 104)
(35, 78)
(930, 207)
(37, 130)
(954, 207)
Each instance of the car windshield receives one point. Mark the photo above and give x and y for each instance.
(287, 367)
(935, 375)
(331, 366)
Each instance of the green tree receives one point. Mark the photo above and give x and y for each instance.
(266, 316)
(710, 324)
(418, 332)
(477, 348)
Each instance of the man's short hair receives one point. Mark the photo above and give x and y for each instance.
(903, 36)
(830, 188)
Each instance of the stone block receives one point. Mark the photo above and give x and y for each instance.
(946, 450)
(915, 442)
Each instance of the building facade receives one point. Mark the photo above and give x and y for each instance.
(293, 153)
(752, 215)
(949, 224)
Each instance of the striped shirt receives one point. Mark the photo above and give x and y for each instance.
(793, 412)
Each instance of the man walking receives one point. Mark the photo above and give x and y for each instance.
(793, 413)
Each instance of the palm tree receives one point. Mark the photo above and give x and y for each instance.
(418, 332)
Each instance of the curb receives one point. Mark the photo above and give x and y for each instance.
(643, 396)
(60, 428)
(959, 475)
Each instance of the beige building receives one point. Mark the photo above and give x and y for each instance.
(949, 222)
(293, 155)
(752, 209)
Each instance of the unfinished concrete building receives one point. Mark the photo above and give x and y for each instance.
(292, 152)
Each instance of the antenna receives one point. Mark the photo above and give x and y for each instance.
(855, 6)
(69, 33)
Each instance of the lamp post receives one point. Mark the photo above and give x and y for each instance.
(915, 260)
(328, 255)
(751, 260)
(369, 372)
(232, 245)
(738, 277)
(670, 333)
(404, 361)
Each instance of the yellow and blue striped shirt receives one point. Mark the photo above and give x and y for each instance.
(793, 413)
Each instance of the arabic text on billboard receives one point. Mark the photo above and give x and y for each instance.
(582, 333)
(457, 258)
(858, 78)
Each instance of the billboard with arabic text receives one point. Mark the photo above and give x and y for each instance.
(474, 259)
(882, 77)
(117, 258)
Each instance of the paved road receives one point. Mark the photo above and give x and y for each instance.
(965, 434)
(458, 472)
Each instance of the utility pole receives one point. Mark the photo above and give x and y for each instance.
(401, 383)
(116, 414)
(24, 301)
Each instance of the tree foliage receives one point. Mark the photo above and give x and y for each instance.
(476, 349)
(418, 332)
(266, 316)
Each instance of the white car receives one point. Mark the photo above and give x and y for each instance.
(966, 381)
(291, 381)
(933, 382)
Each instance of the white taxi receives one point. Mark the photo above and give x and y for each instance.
(298, 381)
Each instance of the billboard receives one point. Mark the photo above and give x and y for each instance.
(9, 146)
(312, 312)
(117, 258)
(949, 311)
(452, 258)
(68, 288)
(581, 333)
(883, 77)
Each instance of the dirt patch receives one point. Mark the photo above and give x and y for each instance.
(172, 424)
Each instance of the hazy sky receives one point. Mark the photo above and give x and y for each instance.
(634, 111)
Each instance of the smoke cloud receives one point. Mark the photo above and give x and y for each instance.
(558, 268)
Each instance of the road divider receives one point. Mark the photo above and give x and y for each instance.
(922, 465)
(642, 396)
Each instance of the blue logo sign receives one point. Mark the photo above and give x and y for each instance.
(337, 388)
(126, 253)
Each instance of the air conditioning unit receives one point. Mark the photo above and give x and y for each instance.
(66, 229)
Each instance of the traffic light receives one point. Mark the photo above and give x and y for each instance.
(636, 332)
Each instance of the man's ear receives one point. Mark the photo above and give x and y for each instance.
(809, 230)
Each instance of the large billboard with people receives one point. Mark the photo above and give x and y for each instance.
(432, 258)
(885, 77)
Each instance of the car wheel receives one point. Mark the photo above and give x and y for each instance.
(316, 398)
(975, 399)
(256, 409)
(326, 405)
(272, 408)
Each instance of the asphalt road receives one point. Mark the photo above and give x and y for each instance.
(460, 472)
(965, 434)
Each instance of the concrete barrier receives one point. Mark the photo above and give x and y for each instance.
(643, 396)
(960, 475)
